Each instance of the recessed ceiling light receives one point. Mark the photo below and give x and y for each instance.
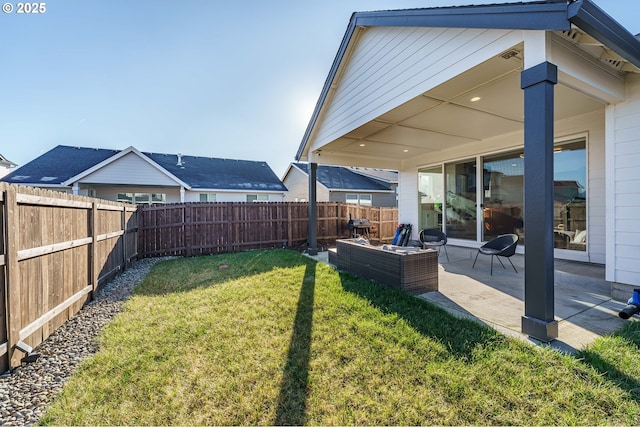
(475, 99)
(406, 151)
(362, 145)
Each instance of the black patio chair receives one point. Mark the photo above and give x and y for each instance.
(501, 246)
(434, 238)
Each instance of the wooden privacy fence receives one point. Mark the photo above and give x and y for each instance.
(188, 229)
(55, 251)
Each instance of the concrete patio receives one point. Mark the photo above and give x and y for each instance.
(583, 305)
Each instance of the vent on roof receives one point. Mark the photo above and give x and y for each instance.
(510, 54)
(48, 178)
(179, 160)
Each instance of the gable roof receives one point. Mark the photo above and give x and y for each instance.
(4, 162)
(549, 15)
(385, 175)
(58, 165)
(340, 178)
(64, 165)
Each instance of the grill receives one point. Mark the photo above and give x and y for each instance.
(359, 226)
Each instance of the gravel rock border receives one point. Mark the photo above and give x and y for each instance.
(26, 392)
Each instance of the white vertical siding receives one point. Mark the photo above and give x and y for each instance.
(129, 169)
(297, 182)
(408, 207)
(391, 65)
(623, 155)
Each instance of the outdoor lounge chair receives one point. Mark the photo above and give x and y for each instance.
(434, 238)
(501, 246)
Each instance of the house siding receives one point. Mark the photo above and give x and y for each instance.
(391, 65)
(127, 169)
(224, 196)
(297, 182)
(623, 155)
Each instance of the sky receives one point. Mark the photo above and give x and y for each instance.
(235, 79)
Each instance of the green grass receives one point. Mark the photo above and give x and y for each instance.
(276, 338)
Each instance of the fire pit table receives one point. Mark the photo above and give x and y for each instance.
(413, 270)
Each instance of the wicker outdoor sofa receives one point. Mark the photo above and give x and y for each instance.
(411, 269)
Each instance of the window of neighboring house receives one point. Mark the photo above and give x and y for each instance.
(125, 197)
(207, 197)
(91, 192)
(158, 198)
(359, 199)
(257, 197)
(142, 198)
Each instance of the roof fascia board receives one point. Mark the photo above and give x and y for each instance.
(527, 16)
(119, 155)
(590, 18)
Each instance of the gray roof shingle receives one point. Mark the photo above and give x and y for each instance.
(343, 178)
(64, 162)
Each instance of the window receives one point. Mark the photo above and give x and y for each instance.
(359, 199)
(158, 198)
(365, 199)
(207, 197)
(570, 195)
(257, 197)
(142, 198)
(125, 197)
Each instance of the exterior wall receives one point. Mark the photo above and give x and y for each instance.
(223, 196)
(297, 182)
(392, 65)
(377, 199)
(129, 168)
(111, 192)
(623, 188)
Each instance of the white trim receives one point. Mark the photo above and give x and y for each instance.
(610, 205)
(119, 155)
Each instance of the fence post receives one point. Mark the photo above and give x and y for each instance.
(13, 276)
(187, 230)
(229, 227)
(94, 248)
(123, 226)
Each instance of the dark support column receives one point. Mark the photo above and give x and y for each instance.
(313, 211)
(539, 319)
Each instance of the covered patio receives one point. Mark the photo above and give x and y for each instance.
(500, 118)
(584, 307)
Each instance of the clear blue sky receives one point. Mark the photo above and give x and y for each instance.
(233, 79)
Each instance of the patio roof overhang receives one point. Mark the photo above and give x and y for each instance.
(483, 101)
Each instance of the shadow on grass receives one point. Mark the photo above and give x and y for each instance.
(292, 400)
(631, 335)
(460, 336)
(186, 274)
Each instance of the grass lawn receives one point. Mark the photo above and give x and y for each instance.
(274, 338)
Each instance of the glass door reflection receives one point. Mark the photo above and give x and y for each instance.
(461, 216)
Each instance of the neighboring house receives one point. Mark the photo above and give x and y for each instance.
(145, 178)
(462, 100)
(361, 186)
(5, 165)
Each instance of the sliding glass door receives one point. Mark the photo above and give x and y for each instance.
(451, 198)
(503, 195)
(430, 188)
(461, 206)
